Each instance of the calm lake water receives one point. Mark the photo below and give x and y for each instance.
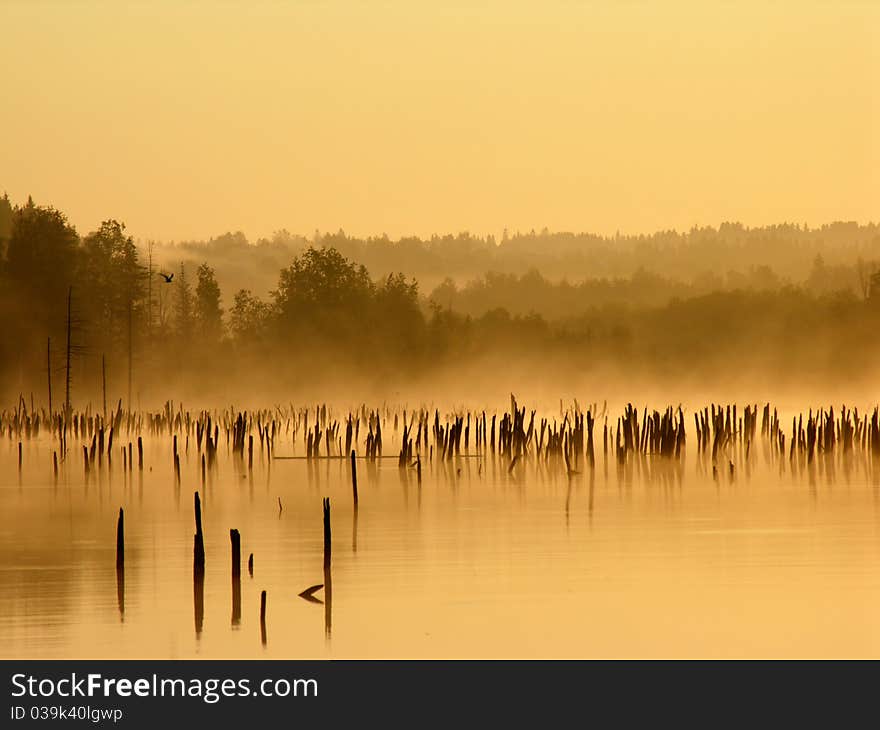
(655, 560)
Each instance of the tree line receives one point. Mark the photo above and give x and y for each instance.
(727, 257)
(103, 299)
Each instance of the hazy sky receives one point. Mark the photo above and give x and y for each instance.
(187, 119)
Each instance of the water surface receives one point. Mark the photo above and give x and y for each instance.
(654, 560)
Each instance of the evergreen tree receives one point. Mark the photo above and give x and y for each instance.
(109, 262)
(41, 256)
(183, 305)
(209, 314)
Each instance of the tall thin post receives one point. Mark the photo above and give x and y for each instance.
(120, 565)
(150, 291)
(67, 386)
(328, 579)
(327, 532)
(49, 372)
(354, 489)
(235, 539)
(104, 384)
(263, 617)
(129, 354)
(354, 479)
(120, 541)
(199, 541)
(198, 569)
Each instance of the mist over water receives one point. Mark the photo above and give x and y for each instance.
(480, 330)
(765, 312)
(615, 512)
(741, 549)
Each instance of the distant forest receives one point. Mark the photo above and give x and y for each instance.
(834, 257)
(293, 310)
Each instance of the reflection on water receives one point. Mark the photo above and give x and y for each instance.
(735, 548)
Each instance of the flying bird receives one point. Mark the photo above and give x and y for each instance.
(167, 277)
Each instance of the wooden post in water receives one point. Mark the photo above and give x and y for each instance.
(354, 489)
(67, 369)
(120, 541)
(263, 617)
(251, 565)
(327, 547)
(354, 479)
(199, 541)
(140, 454)
(120, 564)
(130, 409)
(104, 384)
(49, 372)
(235, 539)
(328, 581)
(198, 569)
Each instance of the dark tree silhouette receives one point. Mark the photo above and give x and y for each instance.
(209, 314)
(328, 315)
(249, 317)
(5, 224)
(325, 296)
(41, 256)
(183, 306)
(110, 272)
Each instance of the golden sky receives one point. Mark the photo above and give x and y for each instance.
(187, 119)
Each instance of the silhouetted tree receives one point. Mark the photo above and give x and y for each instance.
(183, 305)
(209, 314)
(683, 302)
(115, 280)
(866, 271)
(323, 294)
(5, 226)
(399, 322)
(874, 288)
(445, 293)
(249, 317)
(41, 256)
